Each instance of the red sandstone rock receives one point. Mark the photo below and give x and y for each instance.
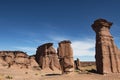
(107, 54)
(65, 54)
(46, 57)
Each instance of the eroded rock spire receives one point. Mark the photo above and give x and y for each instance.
(107, 54)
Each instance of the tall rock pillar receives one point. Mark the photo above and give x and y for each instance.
(107, 54)
(65, 54)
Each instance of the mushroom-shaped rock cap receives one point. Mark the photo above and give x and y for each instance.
(46, 44)
(65, 41)
(99, 23)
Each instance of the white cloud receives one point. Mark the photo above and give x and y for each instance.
(83, 48)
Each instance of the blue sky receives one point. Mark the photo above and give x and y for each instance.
(26, 24)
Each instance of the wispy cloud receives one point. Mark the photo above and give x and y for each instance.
(29, 50)
(83, 48)
(57, 38)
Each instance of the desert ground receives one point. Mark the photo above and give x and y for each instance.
(86, 73)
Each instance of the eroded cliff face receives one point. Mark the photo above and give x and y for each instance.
(65, 54)
(47, 57)
(16, 59)
(107, 54)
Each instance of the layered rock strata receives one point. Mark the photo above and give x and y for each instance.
(17, 59)
(107, 54)
(65, 54)
(47, 57)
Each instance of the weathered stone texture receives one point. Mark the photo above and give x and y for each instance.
(107, 54)
(17, 59)
(65, 54)
(46, 57)
(33, 62)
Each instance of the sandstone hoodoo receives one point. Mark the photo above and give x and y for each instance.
(46, 57)
(65, 54)
(107, 54)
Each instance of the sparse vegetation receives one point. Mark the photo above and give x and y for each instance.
(4, 65)
(36, 74)
(26, 72)
(9, 77)
(42, 75)
(36, 68)
(88, 69)
(77, 70)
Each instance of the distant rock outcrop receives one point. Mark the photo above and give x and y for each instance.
(65, 54)
(107, 54)
(46, 57)
(77, 64)
(17, 59)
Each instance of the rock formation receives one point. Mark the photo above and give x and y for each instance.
(13, 59)
(46, 57)
(107, 54)
(77, 64)
(65, 54)
(34, 65)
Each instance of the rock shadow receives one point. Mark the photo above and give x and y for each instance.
(52, 74)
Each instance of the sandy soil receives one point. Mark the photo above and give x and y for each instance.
(30, 74)
(76, 76)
